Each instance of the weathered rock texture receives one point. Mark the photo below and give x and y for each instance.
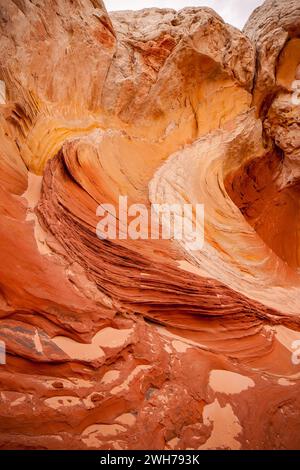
(142, 344)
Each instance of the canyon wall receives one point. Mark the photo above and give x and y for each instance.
(145, 343)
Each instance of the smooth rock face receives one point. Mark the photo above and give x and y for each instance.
(145, 344)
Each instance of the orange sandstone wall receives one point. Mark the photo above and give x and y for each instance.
(145, 344)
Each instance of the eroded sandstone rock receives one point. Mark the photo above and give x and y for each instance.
(134, 344)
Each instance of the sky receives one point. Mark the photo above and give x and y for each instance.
(234, 12)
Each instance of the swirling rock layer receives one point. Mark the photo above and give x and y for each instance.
(145, 344)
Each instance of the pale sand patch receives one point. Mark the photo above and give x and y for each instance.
(2, 92)
(128, 419)
(224, 381)
(62, 401)
(33, 191)
(88, 401)
(77, 350)
(126, 383)
(107, 337)
(110, 376)
(286, 336)
(92, 441)
(37, 342)
(112, 338)
(104, 429)
(180, 346)
(284, 382)
(40, 234)
(172, 443)
(71, 383)
(32, 196)
(226, 427)
(92, 434)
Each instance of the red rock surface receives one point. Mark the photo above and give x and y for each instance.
(143, 344)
